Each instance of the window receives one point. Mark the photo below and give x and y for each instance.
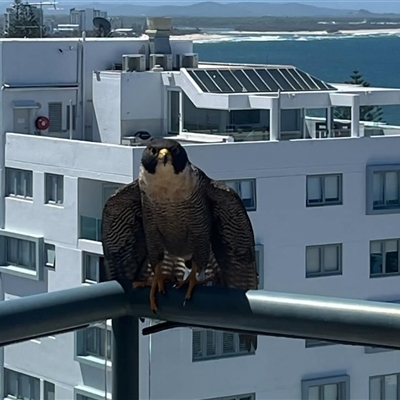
(83, 397)
(19, 183)
(21, 386)
(109, 189)
(55, 117)
(240, 117)
(73, 117)
(207, 343)
(385, 387)
(323, 260)
(383, 189)
(49, 255)
(246, 189)
(49, 391)
(93, 268)
(333, 388)
(384, 257)
(91, 342)
(54, 189)
(250, 396)
(324, 190)
(21, 255)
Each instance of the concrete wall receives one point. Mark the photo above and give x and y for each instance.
(142, 106)
(107, 107)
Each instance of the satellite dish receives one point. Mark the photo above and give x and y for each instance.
(103, 26)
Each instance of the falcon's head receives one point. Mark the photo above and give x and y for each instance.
(164, 155)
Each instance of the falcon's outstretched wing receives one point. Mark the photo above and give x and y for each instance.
(123, 237)
(233, 241)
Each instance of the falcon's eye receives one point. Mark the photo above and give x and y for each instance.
(153, 151)
(175, 151)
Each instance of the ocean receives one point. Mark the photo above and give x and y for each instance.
(329, 57)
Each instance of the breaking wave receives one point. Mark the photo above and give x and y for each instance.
(299, 37)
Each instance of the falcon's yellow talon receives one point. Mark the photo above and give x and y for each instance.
(192, 281)
(157, 284)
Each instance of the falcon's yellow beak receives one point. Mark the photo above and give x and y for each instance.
(162, 153)
(164, 156)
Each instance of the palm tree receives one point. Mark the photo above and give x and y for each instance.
(367, 113)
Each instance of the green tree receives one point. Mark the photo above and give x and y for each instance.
(367, 113)
(24, 22)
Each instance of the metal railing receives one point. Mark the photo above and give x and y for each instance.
(266, 313)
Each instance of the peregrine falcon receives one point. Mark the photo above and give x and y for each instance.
(174, 210)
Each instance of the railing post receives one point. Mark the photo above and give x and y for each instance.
(125, 358)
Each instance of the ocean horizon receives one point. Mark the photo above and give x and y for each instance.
(332, 58)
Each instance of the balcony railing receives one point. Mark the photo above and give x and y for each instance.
(90, 228)
(261, 312)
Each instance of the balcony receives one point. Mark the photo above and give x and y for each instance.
(90, 228)
(259, 312)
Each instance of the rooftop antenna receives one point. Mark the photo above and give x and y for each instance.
(103, 27)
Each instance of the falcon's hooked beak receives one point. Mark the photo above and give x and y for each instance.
(163, 155)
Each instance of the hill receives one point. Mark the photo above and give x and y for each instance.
(210, 9)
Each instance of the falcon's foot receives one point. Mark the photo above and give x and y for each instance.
(157, 284)
(192, 281)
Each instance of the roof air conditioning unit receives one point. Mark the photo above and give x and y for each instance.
(163, 60)
(188, 60)
(133, 62)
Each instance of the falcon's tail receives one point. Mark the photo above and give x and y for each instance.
(250, 341)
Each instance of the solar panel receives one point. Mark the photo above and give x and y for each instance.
(256, 80)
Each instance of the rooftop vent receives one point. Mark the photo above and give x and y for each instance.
(159, 29)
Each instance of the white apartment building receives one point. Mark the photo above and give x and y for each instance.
(84, 17)
(323, 196)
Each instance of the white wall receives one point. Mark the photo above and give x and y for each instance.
(142, 106)
(107, 107)
(25, 61)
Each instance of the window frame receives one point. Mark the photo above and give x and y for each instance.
(323, 273)
(218, 342)
(382, 389)
(50, 180)
(81, 353)
(19, 174)
(253, 181)
(89, 392)
(37, 272)
(18, 376)
(49, 247)
(370, 170)
(343, 380)
(384, 274)
(100, 271)
(325, 203)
